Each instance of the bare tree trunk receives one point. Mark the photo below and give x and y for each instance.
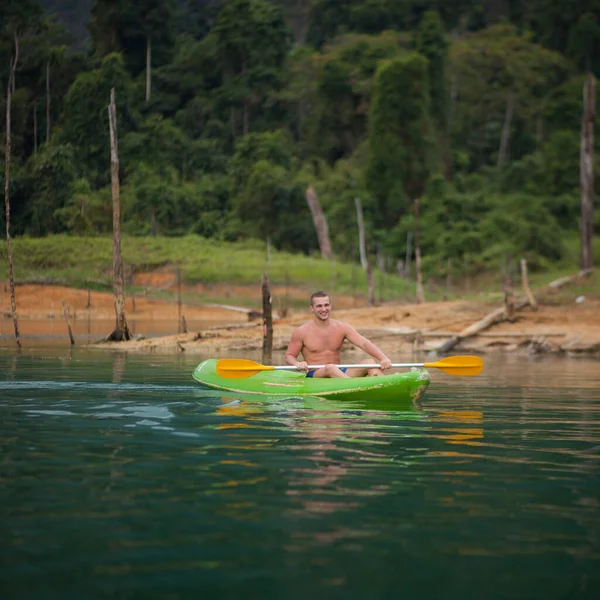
(148, 66)
(267, 348)
(587, 171)
(505, 137)
(10, 87)
(69, 328)
(420, 292)
(509, 300)
(178, 300)
(408, 255)
(525, 284)
(361, 233)
(370, 284)
(121, 331)
(47, 101)
(320, 222)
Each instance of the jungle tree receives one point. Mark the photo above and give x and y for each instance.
(400, 137)
(17, 19)
(252, 42)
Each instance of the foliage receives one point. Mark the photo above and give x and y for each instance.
(85, 116)
(87, 262)
(368, 99)
(399, 137)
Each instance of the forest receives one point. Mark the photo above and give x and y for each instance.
(232, 114)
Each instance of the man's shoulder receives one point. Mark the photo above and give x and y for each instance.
(302, 328)
(338, 323)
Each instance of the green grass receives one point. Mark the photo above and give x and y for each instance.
(87, 263)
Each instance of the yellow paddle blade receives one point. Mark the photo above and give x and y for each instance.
(465, 366)
(240, 368)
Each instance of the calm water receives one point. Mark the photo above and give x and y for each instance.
(120, 477)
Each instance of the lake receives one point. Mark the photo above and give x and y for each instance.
(123, 478)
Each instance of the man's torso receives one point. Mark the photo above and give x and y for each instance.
(321, 345)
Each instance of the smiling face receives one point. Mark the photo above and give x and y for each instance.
(321, 307)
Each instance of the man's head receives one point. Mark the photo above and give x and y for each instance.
(320, 305)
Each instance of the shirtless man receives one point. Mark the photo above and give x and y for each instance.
(321, 339)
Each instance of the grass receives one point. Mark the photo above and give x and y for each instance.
(87, 263)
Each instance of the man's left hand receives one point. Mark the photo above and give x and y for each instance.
(385, 363)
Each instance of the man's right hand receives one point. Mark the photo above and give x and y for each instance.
(302, 366)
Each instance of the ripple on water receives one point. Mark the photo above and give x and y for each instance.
(117, 479)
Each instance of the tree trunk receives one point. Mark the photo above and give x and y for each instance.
(525, 285)
(10, 87)
(361, 233)
(121, 331)
(587, 170)
(179, 300)
(148, 67)
(370, 284)
(320, 222)
(267, 348)
(420, 292)
(408, 255)
(47, 101)
(505, 137)
(153, 225)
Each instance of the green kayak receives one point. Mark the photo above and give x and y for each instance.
(398, 387)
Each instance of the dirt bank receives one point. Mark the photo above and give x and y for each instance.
(571, 326)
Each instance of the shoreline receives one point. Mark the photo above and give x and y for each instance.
(565, 328)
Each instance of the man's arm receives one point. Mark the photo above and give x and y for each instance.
(294, 349)
(369, 347)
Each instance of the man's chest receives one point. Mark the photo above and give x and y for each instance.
(318, 341)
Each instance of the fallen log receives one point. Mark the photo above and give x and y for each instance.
(499, 315)
(558, 283)
(232, 326)
(496, 316)
(448, 334)
(252, 314)
(508, 334)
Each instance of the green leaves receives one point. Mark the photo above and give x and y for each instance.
(399, 137)
(85, 117)
(252, 41)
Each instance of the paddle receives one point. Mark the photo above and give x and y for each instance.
(240, 368)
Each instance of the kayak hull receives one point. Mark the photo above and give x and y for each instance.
(398, 387)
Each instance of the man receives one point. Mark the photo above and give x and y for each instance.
(321, 339)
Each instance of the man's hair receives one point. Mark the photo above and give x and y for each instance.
(318, 294)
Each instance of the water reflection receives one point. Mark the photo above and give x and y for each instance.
(122, 472)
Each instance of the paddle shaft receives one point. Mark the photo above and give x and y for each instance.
(351, 366)
(455, 365)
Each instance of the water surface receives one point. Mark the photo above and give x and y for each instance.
(121, 477)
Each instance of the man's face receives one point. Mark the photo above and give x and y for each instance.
(321, 307)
